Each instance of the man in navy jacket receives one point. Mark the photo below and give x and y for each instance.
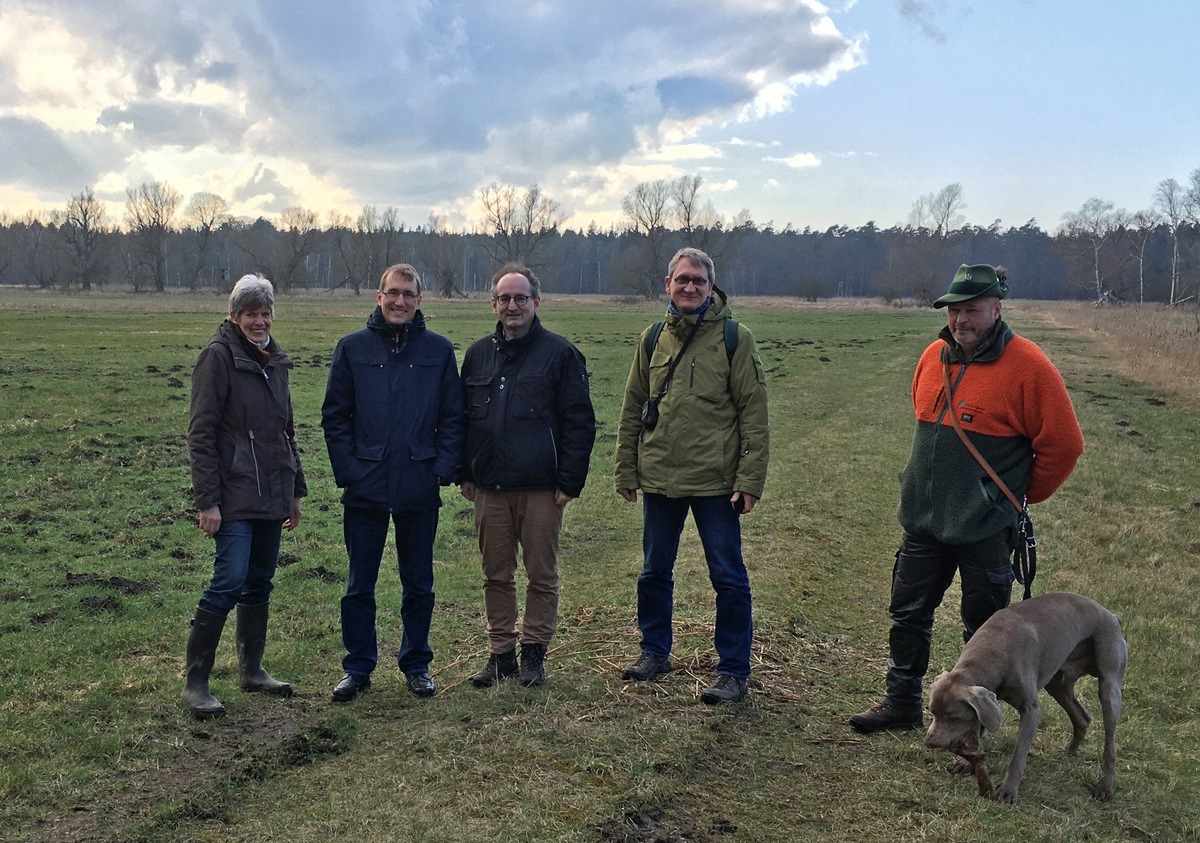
(393, 421)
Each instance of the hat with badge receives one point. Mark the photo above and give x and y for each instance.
(973, 282)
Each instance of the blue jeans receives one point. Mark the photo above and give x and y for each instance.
(365, 532)
(246, 555)
(924, 570)
(721, 535)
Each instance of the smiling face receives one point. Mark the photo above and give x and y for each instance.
(514, 304)
(399, 298)
(970, 321)
(254, 323)
(688, 286)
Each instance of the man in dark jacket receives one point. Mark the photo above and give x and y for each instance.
(530, 430)
(393, 427)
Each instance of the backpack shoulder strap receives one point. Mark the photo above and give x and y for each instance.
(652, 337)
(731, 338)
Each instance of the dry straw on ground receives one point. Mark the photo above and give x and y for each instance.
(1150, 343)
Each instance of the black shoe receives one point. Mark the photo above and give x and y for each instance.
(351, 686)
(727, 689)
(648, 666)
(533, 665)
(884, 716)
(500, 666)
(421, 685)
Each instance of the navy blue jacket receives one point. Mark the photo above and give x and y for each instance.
(393, 415)
(530, 423)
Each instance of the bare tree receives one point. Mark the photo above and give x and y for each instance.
(386, 237)
(7, 248)
(685, 196)
(700, 224)
(366, 245)
(149, 211)
(205, 214)
(259, 242)
(1192, 199)
(353, 249)
(38, 250)
(932, 219)
(1171, 200)
(299, 237)
(1096, 225)
(646, 211)
(84, 226)
(516, 227)
(1140, 230)
(443, 252)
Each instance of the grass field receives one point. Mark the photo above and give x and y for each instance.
(101, 565)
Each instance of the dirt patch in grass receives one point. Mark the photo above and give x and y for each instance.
(121, 584)
(220, 756)
(654, 824)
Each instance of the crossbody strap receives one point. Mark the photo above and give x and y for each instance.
(678, 357)
(967, 442)
(1025, 557)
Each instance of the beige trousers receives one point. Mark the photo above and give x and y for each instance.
(504, 520)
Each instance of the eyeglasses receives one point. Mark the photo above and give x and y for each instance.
(503, 300)
(685, 280)
(395, 294)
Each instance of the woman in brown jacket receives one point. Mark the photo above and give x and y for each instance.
(247, 482)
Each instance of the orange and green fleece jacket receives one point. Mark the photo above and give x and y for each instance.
(1013, 405)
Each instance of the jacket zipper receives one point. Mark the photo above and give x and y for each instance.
(254, 459)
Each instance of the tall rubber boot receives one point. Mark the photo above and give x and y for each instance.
(201, 653)
(251, 641)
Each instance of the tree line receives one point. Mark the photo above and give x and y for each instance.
(1097, 252)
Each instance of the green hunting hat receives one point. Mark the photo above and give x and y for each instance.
(972, 282)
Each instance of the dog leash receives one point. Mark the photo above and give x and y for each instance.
(1025, 554)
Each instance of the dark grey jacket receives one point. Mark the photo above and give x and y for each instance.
(241, 437)
(530, 423)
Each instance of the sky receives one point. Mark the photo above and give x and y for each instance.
(799, 113)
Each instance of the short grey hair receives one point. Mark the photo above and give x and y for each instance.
(696, 258)
(404, 270)
(251, 292)
(514, 268)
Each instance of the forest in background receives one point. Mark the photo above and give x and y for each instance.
(1098, 252)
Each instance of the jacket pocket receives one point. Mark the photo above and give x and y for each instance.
(370, 451)
(532, 397)
(423, 452)
(479, 396)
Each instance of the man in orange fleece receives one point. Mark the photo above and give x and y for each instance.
(1013, 406)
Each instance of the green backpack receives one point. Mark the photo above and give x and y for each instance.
(731, 338)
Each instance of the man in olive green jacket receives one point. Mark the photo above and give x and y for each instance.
(694, 436)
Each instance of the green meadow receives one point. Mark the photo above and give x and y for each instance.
(101, 565)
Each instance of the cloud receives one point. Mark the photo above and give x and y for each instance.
(411, 104)
(799, 161)
(34, 156)
(922, 16)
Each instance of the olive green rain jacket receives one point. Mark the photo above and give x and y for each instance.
(712, 436)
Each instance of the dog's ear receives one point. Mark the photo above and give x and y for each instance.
(986, 707)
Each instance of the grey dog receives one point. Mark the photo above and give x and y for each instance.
(1047, 642)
